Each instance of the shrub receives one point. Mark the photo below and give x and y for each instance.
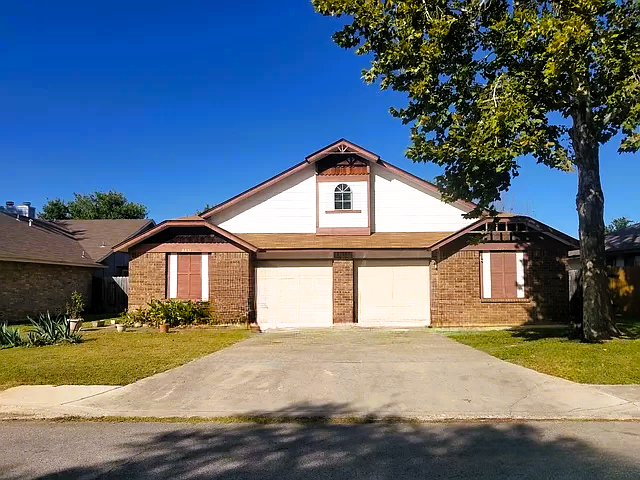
(75, 306)
(10, 337)
(48, 330)
(177, 312)
(130, 317)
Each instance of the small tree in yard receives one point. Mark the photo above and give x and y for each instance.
(491, 81)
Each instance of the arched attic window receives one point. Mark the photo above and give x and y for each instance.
(342, 197)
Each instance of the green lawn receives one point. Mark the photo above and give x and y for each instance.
(551, 351)
(106, 357)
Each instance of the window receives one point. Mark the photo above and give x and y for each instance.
(188, 276)
(503, 275)
(342, 197)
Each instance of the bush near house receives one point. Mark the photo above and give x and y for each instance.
(175, 313)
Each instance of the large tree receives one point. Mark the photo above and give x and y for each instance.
(492, 81)
(93, 206)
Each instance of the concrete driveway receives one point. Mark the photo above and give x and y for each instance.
(356, 372)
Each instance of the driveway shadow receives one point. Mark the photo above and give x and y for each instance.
(314, 449)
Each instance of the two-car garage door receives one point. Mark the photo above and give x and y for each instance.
(300, 293)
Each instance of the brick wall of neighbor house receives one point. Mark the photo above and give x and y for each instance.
(32, 288)
(231, 286)
(147, 278)
(343, 290)
(456, 295)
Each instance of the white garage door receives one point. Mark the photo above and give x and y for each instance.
(294, 294)
(393, 292)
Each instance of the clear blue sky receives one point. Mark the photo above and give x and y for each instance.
(179, 104)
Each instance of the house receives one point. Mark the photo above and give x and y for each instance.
(345, 237)
(42, 263)
(97, 237)
(623, 247)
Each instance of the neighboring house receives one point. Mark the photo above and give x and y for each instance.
(40, 265)
(346, 237)
(623, 247)
(42, 262)
(97, 237)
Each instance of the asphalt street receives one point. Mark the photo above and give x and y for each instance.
(522, 450)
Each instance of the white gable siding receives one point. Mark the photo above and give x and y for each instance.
(334, 220)
(288, 206)
(403, 206)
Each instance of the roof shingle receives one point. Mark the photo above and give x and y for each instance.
(310, 241)
(31, 240)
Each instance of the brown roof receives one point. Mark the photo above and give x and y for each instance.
(626, 239)
(509, 217)
(189, 221)
(98, 237)
(311, 241)
(31, 240)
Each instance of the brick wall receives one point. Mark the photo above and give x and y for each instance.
(343, 285)
(147, 278)
(456, 296)
(231, 281)
(32, 288)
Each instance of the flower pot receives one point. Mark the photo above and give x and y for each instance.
(121, 328)
(98, 323)
(113, 321)
(255, 328)
(75, 324)
(164, 328)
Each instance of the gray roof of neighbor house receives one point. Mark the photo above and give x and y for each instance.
(624, 240)
(23, 239)
(98, 237)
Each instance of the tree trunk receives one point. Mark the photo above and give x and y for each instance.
(597, 321)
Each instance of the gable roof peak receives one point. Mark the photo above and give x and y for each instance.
(342, 147)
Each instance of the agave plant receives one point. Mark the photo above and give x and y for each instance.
(10, 337)
(48, 330)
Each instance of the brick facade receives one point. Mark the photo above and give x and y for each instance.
(456, 297)
(32, 288)
(147, 278)
(231, 282)
(343, 286)
(231, 286)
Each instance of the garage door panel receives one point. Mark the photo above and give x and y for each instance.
(393, 292)
(294, 294)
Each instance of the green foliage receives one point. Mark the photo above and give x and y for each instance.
(618, 224)
(130, 317)
(47, 330)
(55, 209)
(490, 81)
(10, 337)
(178, 312)
(75, 306)
(98, 205)
(206, 208)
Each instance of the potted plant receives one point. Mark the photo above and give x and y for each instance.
(74, 308)
(123, 322)
(164, 327)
